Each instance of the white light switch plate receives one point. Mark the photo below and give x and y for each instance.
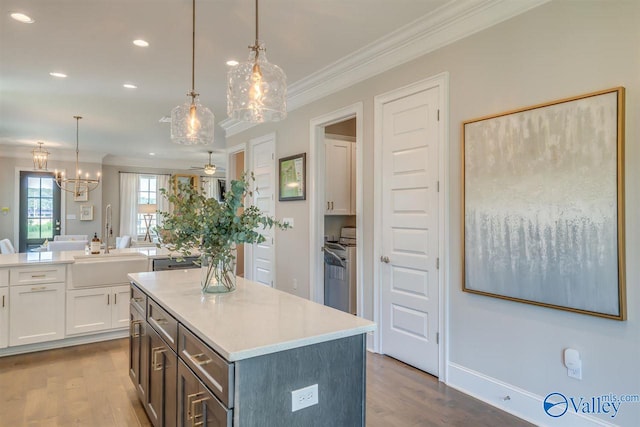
(304, 397)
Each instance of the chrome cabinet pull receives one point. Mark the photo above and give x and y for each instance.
(136, 300)
(108, 299)
(2, 301)
(38, 289)
(331, 205)
(161, 321)
(38, 276)
(154, 363)
(328, 205)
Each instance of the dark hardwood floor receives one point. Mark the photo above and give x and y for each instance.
(89, 386)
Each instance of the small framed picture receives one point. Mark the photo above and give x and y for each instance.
(86, 212)
(81, 194)
(292, 171)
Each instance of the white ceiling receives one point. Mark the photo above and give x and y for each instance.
(91, 41)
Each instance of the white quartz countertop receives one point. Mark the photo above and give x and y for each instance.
(251, 321)
(69, 257)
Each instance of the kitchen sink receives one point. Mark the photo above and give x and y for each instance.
(106, 269)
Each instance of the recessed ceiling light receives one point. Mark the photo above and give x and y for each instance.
(141, 43)
(152, 154)
(130, 86)
(56, 74)
(21, 17)
(232, 62)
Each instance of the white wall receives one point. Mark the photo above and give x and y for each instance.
(560, 49)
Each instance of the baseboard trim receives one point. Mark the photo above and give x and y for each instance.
(67, 342)
(514, 400)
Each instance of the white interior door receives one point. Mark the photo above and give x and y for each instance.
(263, 166)
(409, 261)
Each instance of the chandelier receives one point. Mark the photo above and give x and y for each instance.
(191, 123)
(257, 89)
(40, 156)
(210, 168)
(78, 185)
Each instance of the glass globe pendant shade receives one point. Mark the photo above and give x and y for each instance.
(192, 123)
(257, 90)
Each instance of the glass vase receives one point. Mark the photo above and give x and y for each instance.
(217, 276)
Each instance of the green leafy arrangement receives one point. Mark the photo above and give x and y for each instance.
(213, 228)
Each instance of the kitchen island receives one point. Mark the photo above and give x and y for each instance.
(248, 358)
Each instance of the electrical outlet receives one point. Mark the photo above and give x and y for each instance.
(295, 284)
(575, 372)
(304, 397)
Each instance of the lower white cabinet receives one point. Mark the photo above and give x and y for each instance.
(97, 309)
(37, 313)
(4, 317)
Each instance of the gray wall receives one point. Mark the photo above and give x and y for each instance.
(560, 49)
(9, 186)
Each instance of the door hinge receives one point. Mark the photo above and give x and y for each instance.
(437, 337)
(438, 115)
(438, 263)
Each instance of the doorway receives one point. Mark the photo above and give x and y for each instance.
(335, 198)
(39, 217)
(236, 168)
(410, 221)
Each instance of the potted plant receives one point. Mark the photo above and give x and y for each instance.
(200, 224)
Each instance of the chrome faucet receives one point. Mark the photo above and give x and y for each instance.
(107, 222)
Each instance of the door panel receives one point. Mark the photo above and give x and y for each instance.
(120, 307)
(263, 166)
(39, 209)
(409, 278)
(161, 391)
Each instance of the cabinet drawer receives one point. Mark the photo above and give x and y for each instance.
(163, 323)
(215, 372)
(162, 264)
(139, 300)
(4, 277)
(39, 274)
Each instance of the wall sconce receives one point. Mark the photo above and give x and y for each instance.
(4, 210)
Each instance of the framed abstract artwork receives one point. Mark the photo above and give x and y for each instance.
(292, 177)
(543, 203)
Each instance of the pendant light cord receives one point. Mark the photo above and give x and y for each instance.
(77, 143)
(193, 49)
(257, 38)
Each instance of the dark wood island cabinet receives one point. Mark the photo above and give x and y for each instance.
(243, 359)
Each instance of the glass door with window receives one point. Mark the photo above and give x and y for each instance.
(39, 209)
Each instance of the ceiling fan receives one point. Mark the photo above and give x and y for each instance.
(209, 168)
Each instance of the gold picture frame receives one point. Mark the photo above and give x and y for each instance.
(183, 179)
(543, 205)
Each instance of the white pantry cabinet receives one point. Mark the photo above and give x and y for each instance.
(339, 166)
(97, 309)
(36, 313)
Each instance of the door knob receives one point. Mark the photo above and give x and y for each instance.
(385, 259)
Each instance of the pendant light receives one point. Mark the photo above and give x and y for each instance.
(78, 185)
(192, 123)
(257, 89)
(40, 156)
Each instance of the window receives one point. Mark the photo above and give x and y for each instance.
(147, 194)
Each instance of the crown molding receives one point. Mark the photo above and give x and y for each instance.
(448, 24)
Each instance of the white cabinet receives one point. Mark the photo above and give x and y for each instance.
(339, 168)
(97, 309)
(4, 317)
(4, 308)
(36, 313)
